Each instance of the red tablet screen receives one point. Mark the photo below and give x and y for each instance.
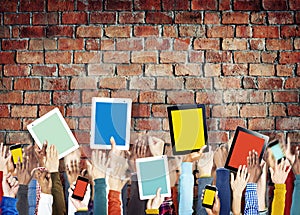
(244, 143)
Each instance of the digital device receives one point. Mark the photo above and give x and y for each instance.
(209, 196)
(53, 128)
(188, 128)
(277, 150)
(244, 141)
(153, 173)
(17, 153)
(80, 188)
(111, 117)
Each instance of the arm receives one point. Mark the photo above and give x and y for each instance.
(251, 199)
(100, 201)
(223, 186)
(114, 203)
(186, 184)
(10, 188)
(296, 193)
(279, 199)
(154, 204)
(136, 206)
(22, 203)
(9, 206)
(202, 181)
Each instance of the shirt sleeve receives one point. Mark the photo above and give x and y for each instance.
(296, 196)
(135, 204)
(224, 190)
(202, 182)
(9, 206)
(59, 205)
(186, 184)
(114, 203)
(251, 199)
(100, 199)
(22, 203)
(45, 204)
(279, 199)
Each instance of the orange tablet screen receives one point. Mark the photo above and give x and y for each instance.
(244, 143)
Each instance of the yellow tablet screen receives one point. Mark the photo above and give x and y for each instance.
(209, 197)
(188, 129)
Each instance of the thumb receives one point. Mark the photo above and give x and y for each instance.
(272, 172)
(231, 178)
(158, 192)
(112, 142)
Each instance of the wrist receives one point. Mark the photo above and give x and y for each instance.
(46, 191)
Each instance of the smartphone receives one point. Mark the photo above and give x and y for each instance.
(80, 188)
(209, 196)
(17, 153)
(277, 150)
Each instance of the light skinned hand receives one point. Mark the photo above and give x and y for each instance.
(220, 156)
(99, 164)
(156, 145)
(239, 183)
(296, 164)
(206, 163)
(52, 161)
(194, 156)
(288, 151)
(280, 172)
(40, 154)
(72, 170)
(116, 178)
(254, 168)
(77, 203)
(10, 186)
(216, 208)
(44, 180)
(31, 158)
(3, 157)
(23, 171)
(137, 150)
(156, 201)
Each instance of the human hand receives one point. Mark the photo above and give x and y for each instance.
(99, 164)
(44, 180)
(137, 150)
(52, 161)
(269, 158)
(288, 151)
(296, 164)
(239, 183)
(156, 201)
(280, 172)
(194, 156)
(220, 156)
(254, 168)
(174, 164)
(31, 158)
(117, 178)
(40, 154)
(77, 203)
(10, 186)
(3, 157)
(72, 170)
(206, 163)
(23, 171)
(216, 208)
(156, 146)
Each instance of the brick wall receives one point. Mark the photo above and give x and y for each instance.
(240, 58)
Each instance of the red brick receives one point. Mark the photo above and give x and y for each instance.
(173, 57)
(50, 44)
(196, 56)
(157, 44)
(4, 31)
(70, 44)
(58, 57)
(7, 124)
(9, 6)
(116, 57)
(59, 5)
(258, 18)
(59, 31)
(292, 83)
(265, 32)
(66, 97)
(198, 83)
(227, 83)
(188, 70)
(230, 124)
(253, 111)
(24, 111)
(211, 70)
(206, 44)
(4, 111)
(246, 57)
(16, 70)
(294, 110)
(30, 57)
(10, 97)
(148, 124)
(290, 31)
(74, 18)
(78, 111)
(158, 70)
(251, 5)
(141, 110)
(19, 18)
(235, 96)
(129, 44)
(224, 5)
(257, 44)
(144, 57)
(16, 31)
(87, 57)
(89, 31)
(45, 18)
(218, 137)
(188, 18)
(235, 18)
(55, 84)
(274, 5)
(261, 124)
(224, 111)
(159, 18)
(27, 84)
(211, 18)
(180, 97)
(280, 18)
(32, 32)
(159, 110)
(243, 31)
(291, 123)
(235, 69)
(132, 94)
(131, 17)
(83, 83)
(182, 44)
(234, 44)
(297, 16)
(297, 43)
(175, 5)
(146, 31)
(117, 31)
(286, 96)
(36, 44)
(170, 83)
(89, 5)
(257, 97)
(289, 57)
(118, 5)
(43, 71)
(269, 57)
(88, 94)
(204, 5)
(82, 137)
(192, 31)
(220, 31)
(7, 57)
(6, 84)
(276, 44)
(294, 5)
(93, 44)
(138, 83)
(32, 5)
(100, 69)
(152, 96)
(270, 83)
(218, 56)
(277, 110)
(103, 17)
(262, 70)
(298, 69)
(107, 44)
(209, 97)
(146, 5)
(112, 83)
(37, 98)
(285, 70)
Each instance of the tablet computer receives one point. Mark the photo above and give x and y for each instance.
(53, 128)
(244, 141)
(111, 117)
(188, 128)
(153, 173)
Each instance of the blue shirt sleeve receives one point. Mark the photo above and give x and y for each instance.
(9, 206)
(186, 185)
(296, 195)
(201, 185)
(224, 191)
(251, 199)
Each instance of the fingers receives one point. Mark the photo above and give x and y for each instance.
(158, 192)
(231, 178)
(113, 143)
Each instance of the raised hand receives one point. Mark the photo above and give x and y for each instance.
(72, 170)
(10, 186)
(194, 156)
(220, 156)
(216, 208)
(296, 164)
(156, 145)
(3, 157)
(117, 178)
(239, 183)
(156, 201)
(98, 167)
(280, 172)
(40, 154)
(44, 179)
(288, 151)
(254, 168)
(23, 171)
(206, 163)
(52, 161)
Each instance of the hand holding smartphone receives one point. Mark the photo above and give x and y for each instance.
(277, 150)
(209, 196)
(80, 188)
(17, 153)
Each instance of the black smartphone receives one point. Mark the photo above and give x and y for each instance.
(17, 153)
(277, 150)
(80, 188)
(209, 196)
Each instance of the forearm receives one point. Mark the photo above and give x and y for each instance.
(202, 182)
(236, 203)
(100, 201)
(114, 203)
(224, 191)
(22, 203)
(135, 205)
(175, 198)
(251, 199)
(186, 184)
(8, 206)
(279, 199)
(45, 204)
(296, 196)
(59, 205)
